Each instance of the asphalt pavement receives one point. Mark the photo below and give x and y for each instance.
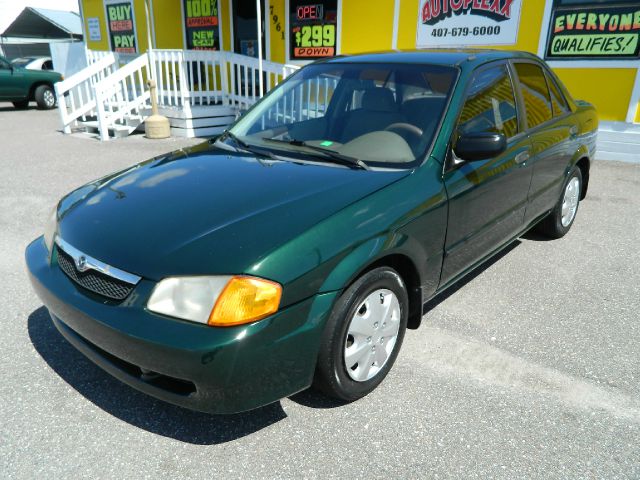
(530, 368)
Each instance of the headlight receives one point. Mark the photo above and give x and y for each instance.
(50, 229)
(221, 301)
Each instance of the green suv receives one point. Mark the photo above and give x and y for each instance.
(20, 86)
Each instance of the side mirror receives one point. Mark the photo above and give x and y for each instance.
(480, 146)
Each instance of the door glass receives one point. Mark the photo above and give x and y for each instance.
(558, 101)
(490, 105)
(535, 93)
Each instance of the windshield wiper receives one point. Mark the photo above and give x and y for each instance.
(351, 162)
(242, 145)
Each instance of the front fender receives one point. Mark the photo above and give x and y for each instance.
(405, 218)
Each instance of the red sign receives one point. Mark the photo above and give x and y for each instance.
(314, 51)
(202, 22)
(309, 12)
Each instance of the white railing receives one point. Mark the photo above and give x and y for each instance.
(188, 78)
(244, 78)
(310, 99)
(123, 94)
(76, 94)
(94, 56)
(113, 87)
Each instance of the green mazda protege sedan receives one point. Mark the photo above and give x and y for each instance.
(298, 247)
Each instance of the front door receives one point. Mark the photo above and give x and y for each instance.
(487, 198)
(11, 81)
(245, 28)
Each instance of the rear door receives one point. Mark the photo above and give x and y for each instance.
(487, 198)
(551, 129)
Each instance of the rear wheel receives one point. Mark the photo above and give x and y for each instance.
(363, 335)
(45, 97)
(561, 218)
(21, 105)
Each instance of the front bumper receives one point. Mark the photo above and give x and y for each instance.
(215, 370)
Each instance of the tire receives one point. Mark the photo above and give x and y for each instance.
(555, 225)
(45, 97)
(354, 325)
(21, 105)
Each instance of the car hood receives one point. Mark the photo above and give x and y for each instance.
(48, 75)
(205, 210)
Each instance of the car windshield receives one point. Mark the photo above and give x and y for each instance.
(21, 62)
(370, 115)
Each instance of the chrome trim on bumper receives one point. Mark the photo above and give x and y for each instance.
(84, 262)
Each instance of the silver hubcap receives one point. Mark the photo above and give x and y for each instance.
(570, 201)
(49, 99)
(372, 335)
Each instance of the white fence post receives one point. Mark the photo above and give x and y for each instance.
(102, 116)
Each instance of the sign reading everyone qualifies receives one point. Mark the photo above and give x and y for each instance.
(597, 32)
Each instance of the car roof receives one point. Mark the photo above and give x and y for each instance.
(441, 56)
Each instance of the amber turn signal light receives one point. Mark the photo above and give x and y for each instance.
(245, 300)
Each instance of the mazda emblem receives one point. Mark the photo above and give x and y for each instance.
(81, 263)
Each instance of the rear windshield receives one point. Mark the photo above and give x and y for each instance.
(21, 62)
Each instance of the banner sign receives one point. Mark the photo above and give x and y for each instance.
(201, 24)
(596, 32)
(458, 23)
(313, 29)
(122, 33)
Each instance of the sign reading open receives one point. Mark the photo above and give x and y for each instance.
(313, 29)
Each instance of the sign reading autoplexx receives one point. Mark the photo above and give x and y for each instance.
(595, 32)
(121, 27)
(467, 22)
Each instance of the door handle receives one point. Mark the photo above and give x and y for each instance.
(522, 157)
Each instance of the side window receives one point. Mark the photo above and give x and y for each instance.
(558, 102)
(490, 105)
(535, 93)
(4, 65)
(47, 65)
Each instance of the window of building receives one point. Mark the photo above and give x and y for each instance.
(490, 105)
(537, 102)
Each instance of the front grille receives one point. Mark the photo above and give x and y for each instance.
(93, 280)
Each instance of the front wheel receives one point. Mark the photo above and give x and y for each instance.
(363, 335)
(45, 97)
(561, 218)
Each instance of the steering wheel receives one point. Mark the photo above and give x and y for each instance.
(402, 127)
